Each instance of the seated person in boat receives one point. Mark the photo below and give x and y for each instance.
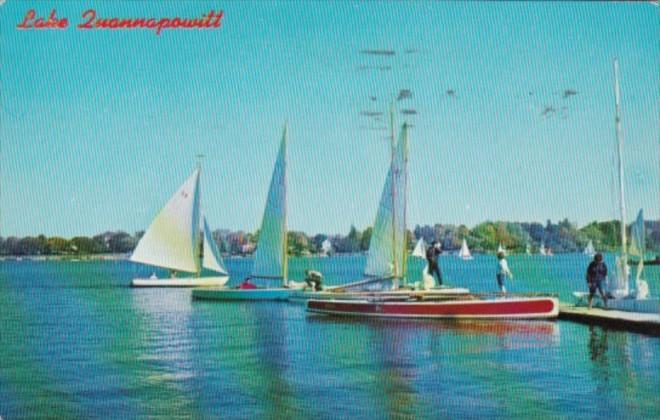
(314, 279)
(502, 271)
(596, 275)
(432, 260)
(247, 284)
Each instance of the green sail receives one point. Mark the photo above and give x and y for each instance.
(270, 257)
(387, 249)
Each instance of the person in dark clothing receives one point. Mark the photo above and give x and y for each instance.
(596, 276)
(314, 280)
(432, 260)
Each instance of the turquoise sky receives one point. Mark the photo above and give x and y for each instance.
(99, 128)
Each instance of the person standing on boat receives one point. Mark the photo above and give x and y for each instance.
(502, 271)
(596, 275)
(432, 260)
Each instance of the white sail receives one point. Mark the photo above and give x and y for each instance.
(589, 249)
(172, 239)
(542, 250)
(420, 249)
(528, 249)
(501, 249)
(638, 243)
(465, 253)
(326, 246)
(637, 236)
(387, 248)
(212, 259)
(270, 259)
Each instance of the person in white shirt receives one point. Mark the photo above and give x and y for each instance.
(502, 271)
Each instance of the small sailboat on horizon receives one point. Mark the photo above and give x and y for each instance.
(173, 241)
(420, 249)
(589, 249)
(464, 252)
(546, 252)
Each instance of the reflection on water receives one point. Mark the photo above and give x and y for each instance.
(80, 344)
(598, 345)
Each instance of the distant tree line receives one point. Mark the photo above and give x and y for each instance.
(563, 236)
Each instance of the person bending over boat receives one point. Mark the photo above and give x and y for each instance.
(596, 275)
(432, 260)
(502, 271)
(247, 284)
(314, 279)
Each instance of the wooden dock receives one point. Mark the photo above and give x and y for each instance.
(633, 321)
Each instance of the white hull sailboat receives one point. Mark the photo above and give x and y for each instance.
(501, 249)
(465, 253)
(622, 296)
(173, 241)
(270, 261)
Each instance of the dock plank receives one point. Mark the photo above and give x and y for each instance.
(635, 321)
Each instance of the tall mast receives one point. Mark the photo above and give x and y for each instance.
(394, 174)
(198, 190)
(285, 260)
(405, 204)
(619, 139)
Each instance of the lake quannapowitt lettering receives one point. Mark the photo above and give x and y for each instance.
(91, 20)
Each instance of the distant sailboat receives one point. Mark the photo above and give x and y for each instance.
(528, 249)
(270, 260)
(326, 247)
(501, 249)
(465, 253)
(173, 241)
(589, 249)
(420, 249)
(542, 250)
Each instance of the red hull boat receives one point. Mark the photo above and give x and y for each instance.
(498, 308)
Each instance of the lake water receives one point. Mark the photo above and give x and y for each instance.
(77, 342)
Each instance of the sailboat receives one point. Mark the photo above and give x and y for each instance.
(465, 253)
(386, 265)
(528, 249)
(173, 241)
(546, 252)
(270, 260)
(589, 249)
(619, 290)
(420, 249)
(501, 249)
(326, 248)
